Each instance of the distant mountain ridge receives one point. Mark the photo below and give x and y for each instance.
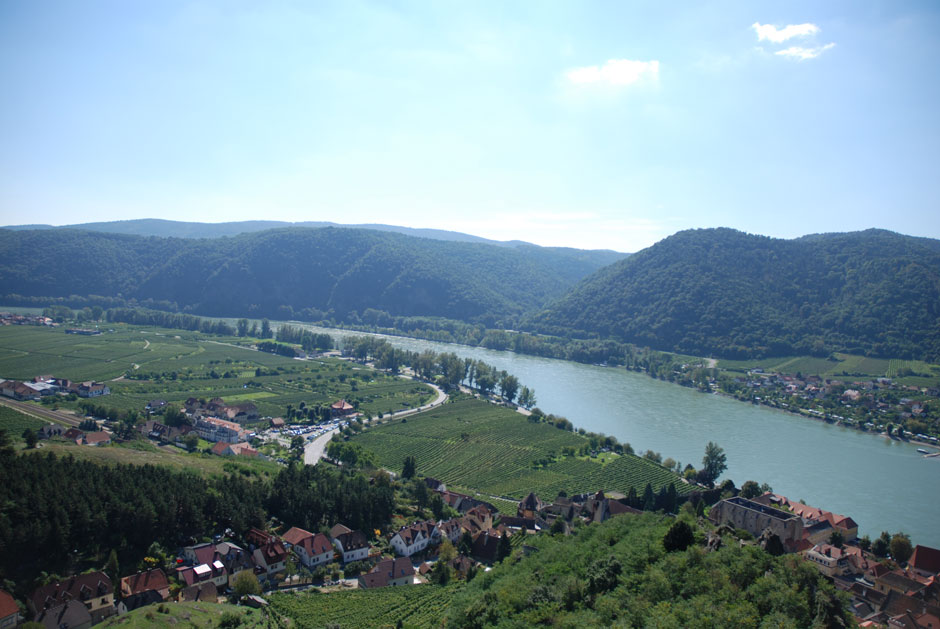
(726, 293)
(186, 229)
(307, 273)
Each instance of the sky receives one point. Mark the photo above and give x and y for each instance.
(583, 124)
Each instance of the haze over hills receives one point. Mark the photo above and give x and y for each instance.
(706, 292)
(732, 294)
(184, 229)
(302, 272)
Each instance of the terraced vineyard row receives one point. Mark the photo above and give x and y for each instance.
(492, 450)
(414, 606)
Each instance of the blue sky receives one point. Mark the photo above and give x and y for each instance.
(593, 125)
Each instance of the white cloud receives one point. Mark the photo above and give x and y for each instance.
(801, 53)
(772, 33)
(617, 72)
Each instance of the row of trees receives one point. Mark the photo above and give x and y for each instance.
(447, 369)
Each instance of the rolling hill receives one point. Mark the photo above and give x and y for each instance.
(727, 293)
(295, 272)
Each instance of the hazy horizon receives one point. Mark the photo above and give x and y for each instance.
(595, 126)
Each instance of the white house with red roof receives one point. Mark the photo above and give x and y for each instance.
(414, 538)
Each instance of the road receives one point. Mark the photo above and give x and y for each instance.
(42, 412)
(315, 450)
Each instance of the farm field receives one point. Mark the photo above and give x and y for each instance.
(15, 422)
(414, 606)
(142, 364)
(491, 449)
(905, 371)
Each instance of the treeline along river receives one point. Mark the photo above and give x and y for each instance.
(884, 485)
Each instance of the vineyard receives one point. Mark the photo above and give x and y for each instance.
(414, 606)
(493, 450)
(174, 365)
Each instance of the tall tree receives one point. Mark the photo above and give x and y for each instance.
(714, 463)
(409, 468)
(509, 385)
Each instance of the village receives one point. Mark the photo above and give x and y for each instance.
(887, 588)
(870, 404)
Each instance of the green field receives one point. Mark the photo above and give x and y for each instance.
(15, 422)
(905, 371)
(491, 449)
(185, 615)
(146, 453)
(414, 606)
(174, 365)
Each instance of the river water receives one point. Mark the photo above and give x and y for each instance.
(884, 485)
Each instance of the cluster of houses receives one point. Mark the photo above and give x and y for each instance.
(864, 398)
(906, 597)
(8, 318)
(75, 435)
(240, 413)
(84, 600)
(41, 386)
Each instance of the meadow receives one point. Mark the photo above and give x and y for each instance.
(415, 606)
(473, 444)
(146, 453)
(186, 615)
(913, 372)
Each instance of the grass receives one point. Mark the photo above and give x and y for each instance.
(496, 451)
(185, 615)
(844, 365)
(145, 453)
(414, 606)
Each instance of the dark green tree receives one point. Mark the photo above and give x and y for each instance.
(504, 548)
(837, 539)
(901, 549)
(465, 545)
(30, 436)
(750, 489)
(882, 546)
(409, 469)
(679, 537)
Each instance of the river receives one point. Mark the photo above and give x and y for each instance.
(883, 485)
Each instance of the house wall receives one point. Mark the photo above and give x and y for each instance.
(755, 522)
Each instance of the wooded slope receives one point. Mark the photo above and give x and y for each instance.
(296, 272)
(731, 294)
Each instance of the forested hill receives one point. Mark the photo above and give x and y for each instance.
(183, 229)
(297, 272)
(731, 294)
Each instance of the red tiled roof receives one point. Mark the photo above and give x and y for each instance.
(925, 558)
(8, 605)
(79, 587)
(316, 544)
(97, 437)
(295, 536)
(143, 582)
